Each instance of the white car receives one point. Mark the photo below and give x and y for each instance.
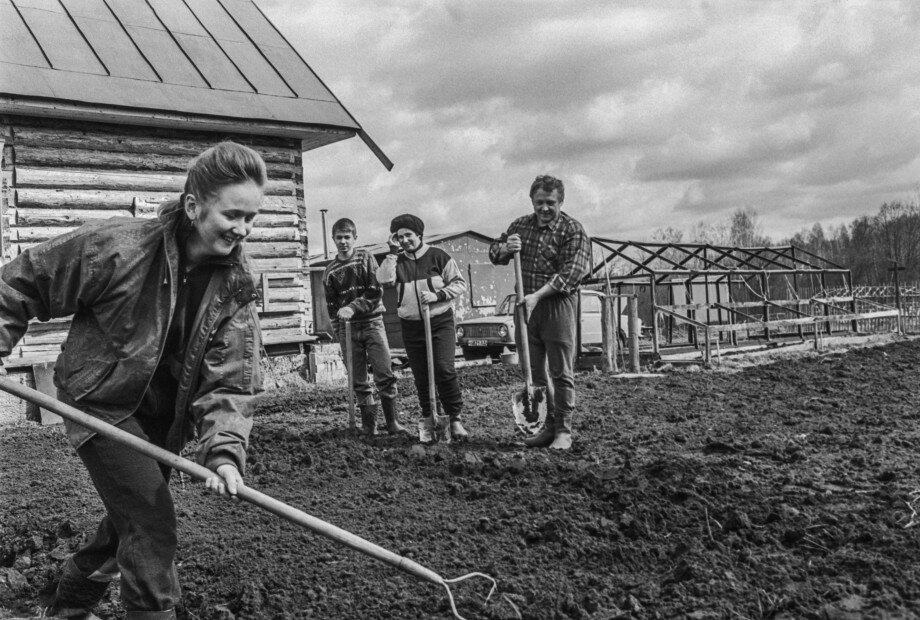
(490, 335)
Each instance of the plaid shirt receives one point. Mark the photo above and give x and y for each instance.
(558, 253)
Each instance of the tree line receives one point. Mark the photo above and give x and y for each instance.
(867, 246)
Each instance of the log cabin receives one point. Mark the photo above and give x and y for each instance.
(104, 102)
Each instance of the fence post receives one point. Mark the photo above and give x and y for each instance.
(609, 336)
(895, 267)
(633, 305)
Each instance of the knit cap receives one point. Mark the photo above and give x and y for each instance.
(407, 220)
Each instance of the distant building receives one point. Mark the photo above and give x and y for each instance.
(488, 284)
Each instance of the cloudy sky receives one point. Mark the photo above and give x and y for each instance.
(654, 113)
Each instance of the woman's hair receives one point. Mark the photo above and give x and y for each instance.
(226, 163)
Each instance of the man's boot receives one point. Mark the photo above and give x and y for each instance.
(76, 594)
(369, 420)
(426, 430)
(563, 440)
(456, 429)
(389, 414)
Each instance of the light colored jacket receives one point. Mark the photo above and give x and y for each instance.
(427, 269)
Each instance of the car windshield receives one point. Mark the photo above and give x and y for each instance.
(506, 306)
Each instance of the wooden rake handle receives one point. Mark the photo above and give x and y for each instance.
(199, 472)
(349, 364)
(429, 353)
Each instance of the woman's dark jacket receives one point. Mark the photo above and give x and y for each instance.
(118, 278)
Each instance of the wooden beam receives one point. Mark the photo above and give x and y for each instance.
(124, 181)
(56, 157)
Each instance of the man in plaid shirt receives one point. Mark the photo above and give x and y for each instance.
(555, 257)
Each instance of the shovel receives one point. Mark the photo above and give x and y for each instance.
(274, 506)
(441, 422)
(349, 355)
(528, 405)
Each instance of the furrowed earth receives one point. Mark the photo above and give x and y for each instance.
(780, 490)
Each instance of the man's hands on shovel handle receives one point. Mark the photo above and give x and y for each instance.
(529, 302)
(513, 243)
(227, 481)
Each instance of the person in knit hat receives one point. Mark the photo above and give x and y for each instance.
(426, 276)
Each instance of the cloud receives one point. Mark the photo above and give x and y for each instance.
(656, 113)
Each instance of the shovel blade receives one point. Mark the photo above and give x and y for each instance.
(529, 410)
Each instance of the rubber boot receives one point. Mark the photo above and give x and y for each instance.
(563, 440)
(389, 414)
(76, 594)
(426, 430)
(169, 614)
(456, 429)
(442, 429)
(368, 420)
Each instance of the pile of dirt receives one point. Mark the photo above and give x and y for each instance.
(784, 490)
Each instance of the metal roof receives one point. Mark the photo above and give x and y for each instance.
(214, 58)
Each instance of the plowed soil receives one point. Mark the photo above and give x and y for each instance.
(785, 490)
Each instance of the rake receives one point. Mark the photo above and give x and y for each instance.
(266, 502)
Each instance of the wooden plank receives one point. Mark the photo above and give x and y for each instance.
(45, 198)
(144, 207)
(43, 156)
(275, 308)
(275, 264)
(271, 322)
(273, 234)
(80, 179)
(279, 336)
(59, 217)
(123, 140)
(273, 250)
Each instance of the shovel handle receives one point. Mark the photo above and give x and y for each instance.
(523, 345)
(199, 472)
(429, 354)
(349, 359)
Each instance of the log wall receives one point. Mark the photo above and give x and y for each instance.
(56, 175)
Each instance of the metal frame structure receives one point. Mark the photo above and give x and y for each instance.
(734, 283)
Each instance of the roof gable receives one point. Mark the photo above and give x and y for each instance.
(218, 58)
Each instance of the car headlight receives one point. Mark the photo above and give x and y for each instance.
(460, 332)
(503, 331)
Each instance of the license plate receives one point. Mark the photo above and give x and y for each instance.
(477, 343)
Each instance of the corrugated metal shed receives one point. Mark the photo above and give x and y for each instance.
(221, 59)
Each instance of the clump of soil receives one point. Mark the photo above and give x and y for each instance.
(785, 490)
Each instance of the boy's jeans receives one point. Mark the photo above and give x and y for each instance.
(369, 345)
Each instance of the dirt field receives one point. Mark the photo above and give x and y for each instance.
(784, 490)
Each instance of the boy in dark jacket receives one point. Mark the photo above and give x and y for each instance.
(424, 275)
(353, 294)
